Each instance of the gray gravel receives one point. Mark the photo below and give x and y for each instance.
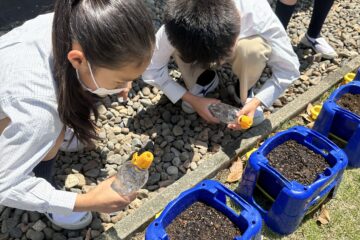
(180, 141)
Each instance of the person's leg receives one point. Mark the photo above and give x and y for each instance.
(71, 143)
(3, 123)
(312, 38)
(198, 81)
(251, 56)
(250, 59)
(284, 10)
(190, 72)
(320, 12)
(45, 169)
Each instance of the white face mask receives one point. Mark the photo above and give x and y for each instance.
(101, 92)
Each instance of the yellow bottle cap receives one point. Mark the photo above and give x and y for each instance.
(158, 214)
(315, 111)
(349, 77)
(143, 161)
(245, 121)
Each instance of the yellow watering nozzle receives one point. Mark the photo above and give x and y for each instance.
(158, 214)
(348, 78)
(249, 153)
(314, 111)
(245, 122)
(142, 161)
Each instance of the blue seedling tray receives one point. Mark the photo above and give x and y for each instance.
(290, 200)
(213, 194)
(357, 76)
(340, 124)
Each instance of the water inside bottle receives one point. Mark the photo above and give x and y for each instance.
(224, 112)
(129, 179)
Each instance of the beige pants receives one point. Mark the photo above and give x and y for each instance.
(5, 122)
(248, 62)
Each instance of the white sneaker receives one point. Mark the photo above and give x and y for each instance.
(200, 91)
(73, 221)
(320, 45)
(71, 145)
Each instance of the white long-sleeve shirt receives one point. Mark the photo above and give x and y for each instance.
(257, 18)
(28, 98)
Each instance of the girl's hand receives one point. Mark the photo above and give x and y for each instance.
(200, 105)
(248, 110)
(124, 94)
(103, 199)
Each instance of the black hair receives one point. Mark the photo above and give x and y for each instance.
(202, 31)
(112, 34)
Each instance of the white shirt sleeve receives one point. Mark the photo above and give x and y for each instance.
(283, 62)
(157, 73)
(33, 130)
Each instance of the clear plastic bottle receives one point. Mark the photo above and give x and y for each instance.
(228, 114)
(133, 175)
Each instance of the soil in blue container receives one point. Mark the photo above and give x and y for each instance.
(350, 102)
(297, 162)
(202, 222)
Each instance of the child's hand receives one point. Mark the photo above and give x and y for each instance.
(248, 110)
(200, 105)
(103, 199)
(124, 94)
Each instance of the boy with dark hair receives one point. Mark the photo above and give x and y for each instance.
(203, 34)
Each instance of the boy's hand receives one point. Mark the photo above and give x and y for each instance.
(249, 110)
(103, 199)
(200, 105)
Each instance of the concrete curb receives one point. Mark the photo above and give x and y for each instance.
(141, 217)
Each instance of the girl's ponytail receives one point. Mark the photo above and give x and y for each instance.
(112, 34)
(74, 105)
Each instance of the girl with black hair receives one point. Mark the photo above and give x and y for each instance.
(50, 68)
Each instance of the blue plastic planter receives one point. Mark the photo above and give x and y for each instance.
(338, 123)
(213, 194)
(357, 77)
(290, 200)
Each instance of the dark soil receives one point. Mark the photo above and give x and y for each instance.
(350, 102)
(297, 162)
(201, 222)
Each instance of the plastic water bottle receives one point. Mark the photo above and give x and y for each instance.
(133, 175)
(228, 114)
